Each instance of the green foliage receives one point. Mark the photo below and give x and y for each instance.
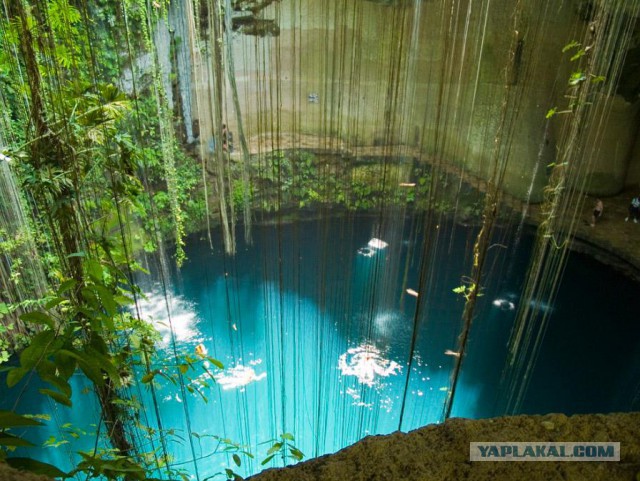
(283, 448)
(37, 467)
(303, 179)
(10, 441)
(468, 289)
(4, 343)
(111, 467)
(576, 78)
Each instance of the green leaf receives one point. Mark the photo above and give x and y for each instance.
(215, 362)
(54, 443)
(66, 285)
(65, 364)
(296, 453)
(43, 417)
(103, 362)
(275, 448)
(38, 349)
(576, 78)
(91, 369)
(267, 459)
(148, 377)
(580, 53)
(54, 302)
(287, 436)
(551, 113)
(37, 467)
(183, 368)
(108, 302)
(49, 373)
(56, 396)
(94, 269)
(4, 309)
(570, 45)
(236, 459)
(98, 343)
(59, 383)
(15, 375)
(9, 419)
(38, 318)
(123, 300)
(7, 439)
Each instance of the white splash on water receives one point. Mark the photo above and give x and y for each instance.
(536, 304)
(238, 377)
(175, 314)
(377, 244)
(504, 304)
(373, 246)
(367, 364)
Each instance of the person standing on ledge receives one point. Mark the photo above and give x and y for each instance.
(634, 210)
(597, 212)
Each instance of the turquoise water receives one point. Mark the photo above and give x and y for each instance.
(314, 324)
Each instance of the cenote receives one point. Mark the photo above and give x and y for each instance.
(321, 338)
(240, 234)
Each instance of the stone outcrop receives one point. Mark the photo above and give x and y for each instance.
(441, 452)
(9, 474)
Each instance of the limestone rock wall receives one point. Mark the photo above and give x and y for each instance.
(455, 79)
(441, 452)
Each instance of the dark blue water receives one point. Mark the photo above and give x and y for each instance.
(315, 327)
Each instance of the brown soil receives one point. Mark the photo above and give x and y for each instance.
(441, 452)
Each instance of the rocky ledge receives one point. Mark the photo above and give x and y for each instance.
(441, 452)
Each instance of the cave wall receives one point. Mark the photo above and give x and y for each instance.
(445, 78)
(632, 179)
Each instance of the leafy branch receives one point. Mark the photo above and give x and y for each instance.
(576, 78)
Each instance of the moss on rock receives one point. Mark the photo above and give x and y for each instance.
(441, 452)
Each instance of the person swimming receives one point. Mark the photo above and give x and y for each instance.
(504, 304)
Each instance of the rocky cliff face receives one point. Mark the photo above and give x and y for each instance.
(441, 452)
(467, 83)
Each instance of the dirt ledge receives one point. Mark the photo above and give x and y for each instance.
(9, 474)
(441, 452)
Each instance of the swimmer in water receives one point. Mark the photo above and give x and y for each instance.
(504, 304)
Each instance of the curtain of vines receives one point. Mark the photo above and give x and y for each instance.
(392, 111)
